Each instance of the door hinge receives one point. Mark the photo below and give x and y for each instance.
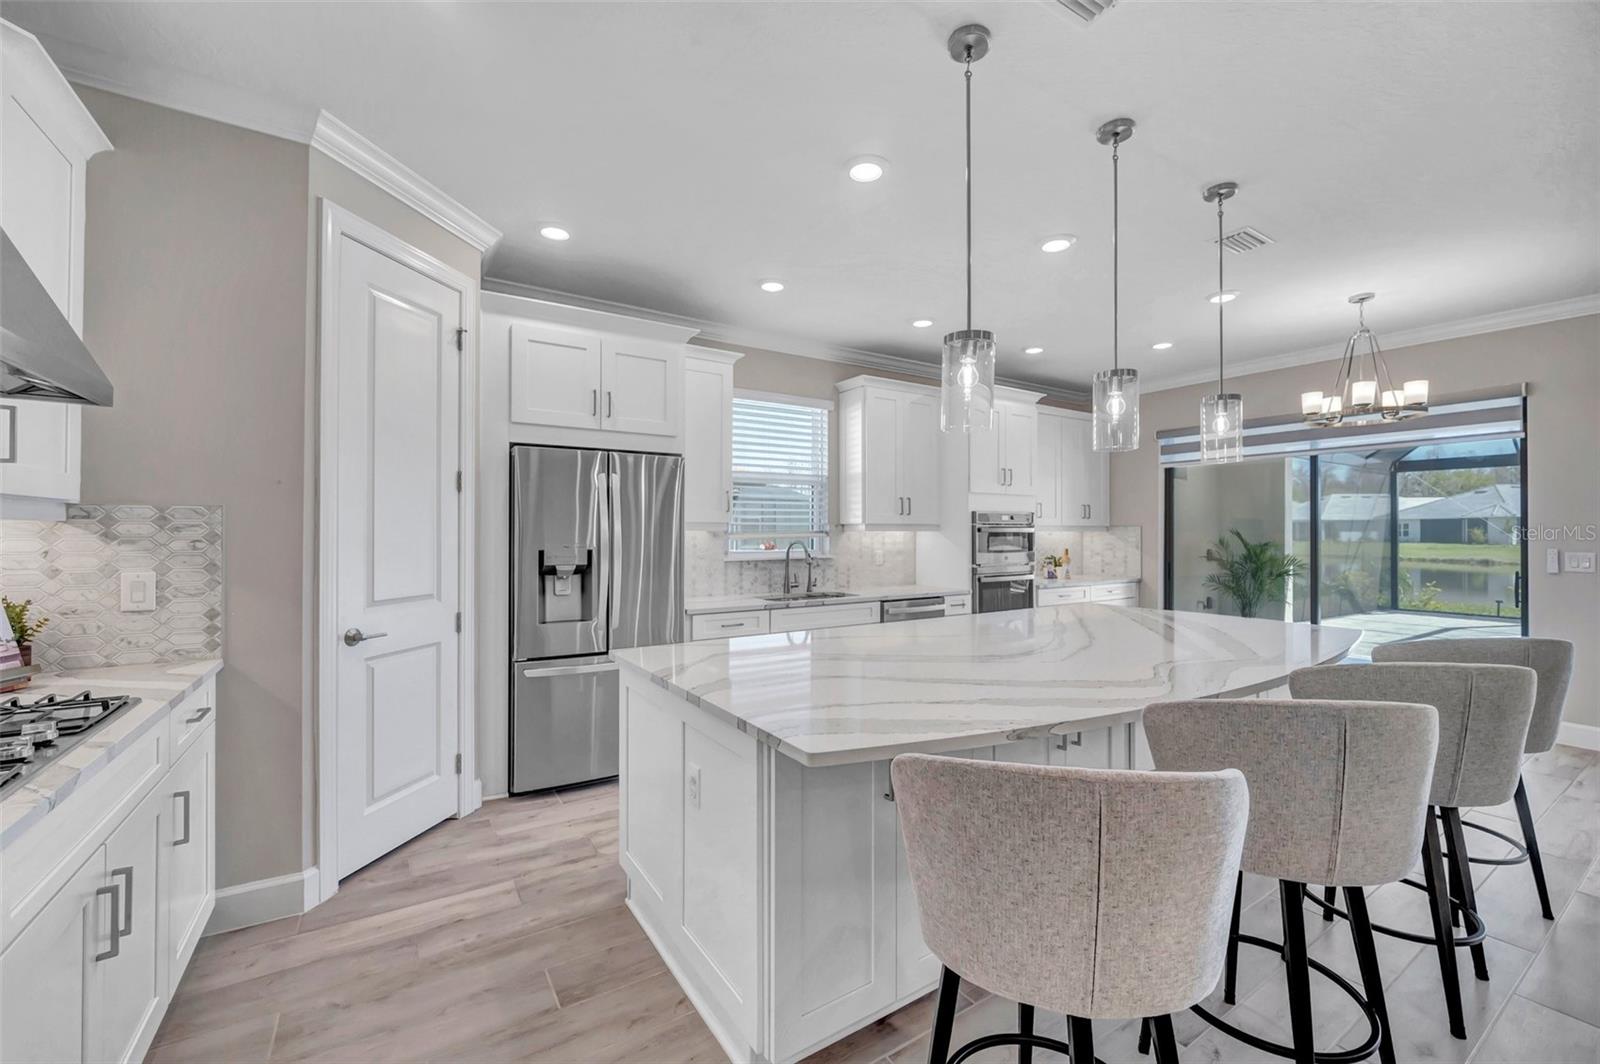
(458, 482)
(458, 622)
(458, 764)
(461, 339)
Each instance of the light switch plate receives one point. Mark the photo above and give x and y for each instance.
(1552, 560)
(1580, 561)
(138, 591)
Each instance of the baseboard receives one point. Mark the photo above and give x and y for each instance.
(263, 900)
(1583, 736)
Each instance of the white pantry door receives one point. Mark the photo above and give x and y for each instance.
(397, 553)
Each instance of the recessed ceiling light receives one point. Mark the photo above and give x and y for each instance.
(1033, 350)
(772, 286)
(1050, 245)
(1162, 346)
(1225, 297)
(554, 232)
(866, 169)
(922, 323)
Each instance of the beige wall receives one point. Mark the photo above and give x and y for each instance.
(1560, 361)
(195, 281)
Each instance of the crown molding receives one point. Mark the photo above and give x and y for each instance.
(1516, 318)
(344, 145)
(715, 334)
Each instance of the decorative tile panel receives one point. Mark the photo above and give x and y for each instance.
(860, 561)
(72, 570)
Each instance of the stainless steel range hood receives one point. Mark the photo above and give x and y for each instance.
(41, 354)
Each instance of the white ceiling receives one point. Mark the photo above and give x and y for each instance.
(1446, 156)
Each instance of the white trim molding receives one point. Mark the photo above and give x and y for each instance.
(263, 900)
(1583, 736)
(1499, 321)
(344, 145)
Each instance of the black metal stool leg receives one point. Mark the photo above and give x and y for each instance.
(1466, 894)
(944, 1017)
(1025, 1026)
(1450, 868)
(1144, 1037)
(1355, 900)
(1531, 840)
(1230, 971)
(1329, 895)
(1290, 896)
(1080, 1039)
(1166, 1041)
(1444, 937)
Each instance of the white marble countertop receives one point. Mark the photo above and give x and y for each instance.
(1086, 581)
(159, 687)
(866, 693)
(740, 603)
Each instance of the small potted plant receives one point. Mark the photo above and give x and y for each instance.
(23, 628)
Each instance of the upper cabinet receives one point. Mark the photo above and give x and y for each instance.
(565, 377)
(1003, 460)
(47, 137)
(708, 438)
(1074, 478)
(889, 451)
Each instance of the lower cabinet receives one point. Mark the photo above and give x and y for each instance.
(133, 971)
(189, 874)
(50, 977)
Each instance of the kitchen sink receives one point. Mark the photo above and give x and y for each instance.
(805, 596)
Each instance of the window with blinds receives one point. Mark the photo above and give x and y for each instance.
(780, 474)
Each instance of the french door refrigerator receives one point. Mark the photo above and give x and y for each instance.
(596, 565)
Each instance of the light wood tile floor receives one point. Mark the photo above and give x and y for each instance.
(503, 937)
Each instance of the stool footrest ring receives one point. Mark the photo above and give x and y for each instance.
(1340, 1056)
(1477, 931)
(1519, 851)
(989, 1041)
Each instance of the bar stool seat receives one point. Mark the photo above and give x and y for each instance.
(1099, 894)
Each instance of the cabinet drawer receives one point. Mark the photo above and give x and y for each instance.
(957, 605)
(811, 617)
(723, 625)
(1115, 592)
(191, 715)
(1060, 596)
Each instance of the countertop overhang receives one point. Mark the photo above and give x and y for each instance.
(866, 693)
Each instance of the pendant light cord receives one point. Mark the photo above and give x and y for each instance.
(1116, 272)
(1221, 301)
(969, 187)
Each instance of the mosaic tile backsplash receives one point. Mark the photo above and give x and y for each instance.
(860, 560)
(72, 571)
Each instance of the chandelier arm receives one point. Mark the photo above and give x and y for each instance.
(1341, 383)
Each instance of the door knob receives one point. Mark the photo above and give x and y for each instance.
(352, 636)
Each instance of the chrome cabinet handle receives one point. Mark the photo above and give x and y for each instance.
(1040, 507)
(198, 717)
(594, 402)
(116, 913)
(609, 407)
(186, 803)
(908, 506)
(127, 900)
(355, 636)
(727, 502)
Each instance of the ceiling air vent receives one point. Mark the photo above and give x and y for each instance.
(1088, 10)
(1247, 239)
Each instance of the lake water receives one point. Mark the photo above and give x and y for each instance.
(1464, 585)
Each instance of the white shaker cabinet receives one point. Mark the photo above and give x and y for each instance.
(1003, 459)
(889, 451)
(708, 438)
(188, 872)
(1074, 487)
(566, 377)
(134, 991)
(47, 137)
(50, 978)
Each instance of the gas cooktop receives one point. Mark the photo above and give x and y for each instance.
(34, 734)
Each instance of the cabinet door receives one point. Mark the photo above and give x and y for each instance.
(640, 382)
(133, 989)
(39, 449)
(1077, 445)
(49, 978)
(1047, 489)
(189, 849)
(1097, 480)
(555, 376)
(883, 499)
(707, 443)
(1019, 431)
(919, 458)
(984, 451)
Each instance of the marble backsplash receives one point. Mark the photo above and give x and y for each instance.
(72, 571)
(1097, 553)
(860, 560)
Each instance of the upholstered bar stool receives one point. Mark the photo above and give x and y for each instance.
(1551, 660)
(1099, 894)
(1338, 795)
(1483, 722)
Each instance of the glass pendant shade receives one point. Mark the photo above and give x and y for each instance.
(1222, 427)
(966, 394)
(1116, 410)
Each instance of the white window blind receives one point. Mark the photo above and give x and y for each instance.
(780, 473)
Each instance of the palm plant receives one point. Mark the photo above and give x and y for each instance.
(1251, 573)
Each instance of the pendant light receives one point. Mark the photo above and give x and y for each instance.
(1363, 388)
(1116, 390)
(1221, 413)
(966, 390)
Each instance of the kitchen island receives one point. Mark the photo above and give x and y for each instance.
(758, 830)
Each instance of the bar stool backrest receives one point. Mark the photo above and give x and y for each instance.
(1338, 790)
(1092, 892)
(1483, 718)
(1550, 658)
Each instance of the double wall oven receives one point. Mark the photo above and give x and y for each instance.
(1002, 561)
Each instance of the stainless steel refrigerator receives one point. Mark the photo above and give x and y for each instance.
(596, 565)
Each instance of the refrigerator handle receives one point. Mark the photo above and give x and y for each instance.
(615, 532)
(602, 533)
